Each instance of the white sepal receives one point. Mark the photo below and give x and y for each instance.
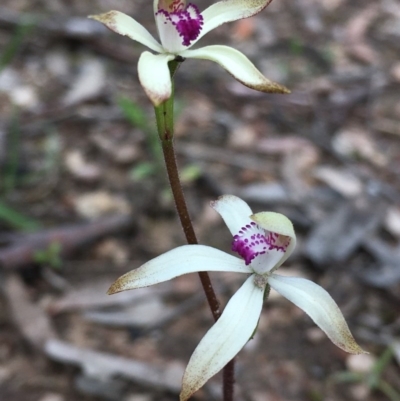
(155, 77)
(320, 306)
(225, 339)
(228, 11)
(238, 65)
(234, 211)
(182, 260)
(127, 26)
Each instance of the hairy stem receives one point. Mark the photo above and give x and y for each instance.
(228, 377)
(180, 202)
(165, 126)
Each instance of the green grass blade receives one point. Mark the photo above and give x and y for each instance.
(16, 41)
(17, 220)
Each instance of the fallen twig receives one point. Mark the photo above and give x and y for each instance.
(70, 238)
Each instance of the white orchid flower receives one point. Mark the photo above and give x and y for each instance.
(179, 27)
(264, 241)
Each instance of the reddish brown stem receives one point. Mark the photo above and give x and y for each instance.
(180, 202)
(229, 380)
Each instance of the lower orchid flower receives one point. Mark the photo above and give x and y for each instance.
(180, 26)
(264, 241)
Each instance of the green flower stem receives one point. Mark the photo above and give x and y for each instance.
(165, 126)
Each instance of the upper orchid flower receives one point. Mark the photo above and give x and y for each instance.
(179, 27)
(264, 241)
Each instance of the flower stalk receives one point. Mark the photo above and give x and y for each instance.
(263, 240)
(165, 126)
(184, 217)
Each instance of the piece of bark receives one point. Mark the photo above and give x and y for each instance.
(103, 366)
(381, 250)
(109, 389)
(337, 236)
(387, 272)
(387, 276)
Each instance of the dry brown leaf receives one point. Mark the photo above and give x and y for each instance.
(388, 126)
(362, 363)
(331, 5)
(395, 72)
(340, 180)
(29, 317)
(356, 142)
(356, 43)
(114, 250)
(88, 84)
(101, 203)
(243, 137)
(392, 221)
(81, 168)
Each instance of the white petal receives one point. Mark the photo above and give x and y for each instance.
(155, 77)
(230, 10)
(127, 26)
(279, 224)
(225, 339)
(320, 306)
(235, 212)
(181, 260)
(238, 65)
